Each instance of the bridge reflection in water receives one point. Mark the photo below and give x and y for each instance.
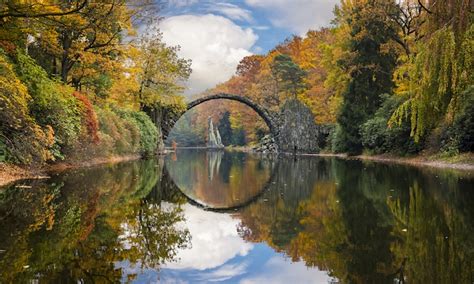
(224, 182)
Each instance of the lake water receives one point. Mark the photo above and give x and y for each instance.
(199, 217)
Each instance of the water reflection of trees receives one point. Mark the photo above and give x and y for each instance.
(80, 227)
(351, 219)
(435, 237)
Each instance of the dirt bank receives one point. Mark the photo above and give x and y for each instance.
(464, 162)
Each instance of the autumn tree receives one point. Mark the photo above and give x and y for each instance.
(161, 78)
(249, 66)
(78, 41)
(162, 73)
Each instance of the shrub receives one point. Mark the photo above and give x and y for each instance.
(25, 141)
(324, 136)
(122, 133)
(337, 140)
(52, 102)
(127, 132)
(459, 137)
(148, 131)
(378, 137)
(89, 117)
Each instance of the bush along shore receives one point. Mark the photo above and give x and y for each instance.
(45, 122)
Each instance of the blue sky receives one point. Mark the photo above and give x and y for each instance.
(216, 35)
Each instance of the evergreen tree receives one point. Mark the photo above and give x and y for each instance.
(371, 66)
(238, 137)
(289, 75)
(225, 129)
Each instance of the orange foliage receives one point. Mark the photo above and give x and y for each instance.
(89, 116)
(254, 80)
(7, 46)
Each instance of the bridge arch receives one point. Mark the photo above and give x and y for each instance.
(262, 112)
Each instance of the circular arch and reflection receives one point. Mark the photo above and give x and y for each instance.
(220, 181)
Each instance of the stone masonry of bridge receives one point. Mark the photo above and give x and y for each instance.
(293, 129)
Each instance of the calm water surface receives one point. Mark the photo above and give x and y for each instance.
(199, 217)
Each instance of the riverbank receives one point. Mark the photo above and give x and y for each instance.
(464, 162)
(10, 173)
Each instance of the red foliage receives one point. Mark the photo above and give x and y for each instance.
(249, 66)
(90, 117)
(7, 46)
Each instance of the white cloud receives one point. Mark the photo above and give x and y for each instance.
(231, 11)
(215, 45)
(261, 28)
(297, 15)
(214, 239)
(278, 270)
(223, 273)
(181, 3)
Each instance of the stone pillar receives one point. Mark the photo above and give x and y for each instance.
(211, 136)
(219, 139)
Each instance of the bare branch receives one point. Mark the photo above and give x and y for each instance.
(15, 13)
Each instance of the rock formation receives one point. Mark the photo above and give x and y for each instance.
(298, 132)
(218, 138)
(213, 140)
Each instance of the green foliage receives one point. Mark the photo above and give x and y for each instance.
(3, 151)
(238, 137)
(52, 103)
(459, 137)
(378, 138)
(187, 134)
(348, 131)
(289, 75)
(434, 81)
(132, 131)
(337, 139)
(125, 132)
(101, 85)
(117, 135)
(68, 64)
(163, 71)
(225, 129)
(371, 66)
(148, 132)
(25, 141)
(429, 84)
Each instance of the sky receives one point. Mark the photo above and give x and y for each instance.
(216, 35)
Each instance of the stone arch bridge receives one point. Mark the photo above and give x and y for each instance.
(270, 119)
(293, 129)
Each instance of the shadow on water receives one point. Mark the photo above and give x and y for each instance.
(358, 222)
